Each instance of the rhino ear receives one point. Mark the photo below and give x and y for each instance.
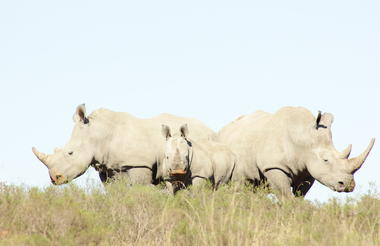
(80, 114)
(165, 130)
(324, 120)
(184, 131)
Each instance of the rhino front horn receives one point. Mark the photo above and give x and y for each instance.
(41, 156)
(357, 162)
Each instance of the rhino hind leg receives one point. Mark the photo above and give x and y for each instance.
(279, 182)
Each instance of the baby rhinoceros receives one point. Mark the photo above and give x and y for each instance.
(188, 162)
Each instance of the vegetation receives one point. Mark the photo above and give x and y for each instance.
(120, 215)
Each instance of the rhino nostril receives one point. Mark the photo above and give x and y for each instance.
(52, 180)
(341, 183)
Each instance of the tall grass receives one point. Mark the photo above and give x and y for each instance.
(121, 215)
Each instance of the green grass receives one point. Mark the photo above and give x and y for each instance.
(148, 216)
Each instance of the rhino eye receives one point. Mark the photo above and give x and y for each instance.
(70, 153)
(325, 160)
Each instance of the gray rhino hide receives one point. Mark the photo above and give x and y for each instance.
(114, 142)
(290, 149)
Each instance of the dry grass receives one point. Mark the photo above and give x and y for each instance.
(148, 216)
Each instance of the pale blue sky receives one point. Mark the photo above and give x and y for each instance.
(213, 60)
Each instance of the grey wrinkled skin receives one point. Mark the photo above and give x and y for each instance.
(193, 162)
(114, 143)
(290, 149)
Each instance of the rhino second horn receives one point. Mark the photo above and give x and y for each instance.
(41, 156)
(346, 152)
(357, 162)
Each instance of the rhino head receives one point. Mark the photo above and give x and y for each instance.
(71, 161)
(178, 152)
(332, 168)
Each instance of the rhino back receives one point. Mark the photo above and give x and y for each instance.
(130, 141)
(242, 134)
(261, 139)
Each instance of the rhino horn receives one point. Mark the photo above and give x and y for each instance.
(357, 162)
(346, 152)
(41, 156)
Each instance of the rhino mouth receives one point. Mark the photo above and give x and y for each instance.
(343, 188)
(178, 172)
(58, 181)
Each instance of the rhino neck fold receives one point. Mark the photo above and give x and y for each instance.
(287, 173)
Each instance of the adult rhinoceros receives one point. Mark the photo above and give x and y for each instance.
(290, 149)
(114, 142)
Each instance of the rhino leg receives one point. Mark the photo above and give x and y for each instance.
(139, 176)
(279, 182)
(108, 175)
(174, 187)
(169, 187)
(301, 188)
(198, 182)
(103, 176)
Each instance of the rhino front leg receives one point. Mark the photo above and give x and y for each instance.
(301, 188)
(107, 175)
(139, 175)
(198, 181)
(279, 182)
(103, 176)
(169, 187)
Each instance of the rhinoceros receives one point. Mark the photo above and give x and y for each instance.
(290, 149)
(194, 162)
(115, 142)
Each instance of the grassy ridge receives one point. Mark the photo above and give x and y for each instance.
(148, 216)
